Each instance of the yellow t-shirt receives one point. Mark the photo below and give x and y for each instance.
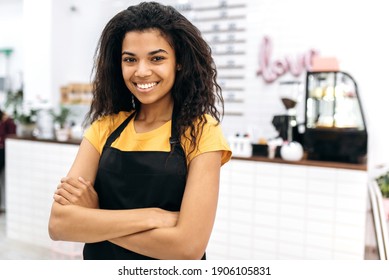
(212, 138)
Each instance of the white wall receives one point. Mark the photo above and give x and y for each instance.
(11, 27)
(38, 51)
(76, 27)
(353, 31)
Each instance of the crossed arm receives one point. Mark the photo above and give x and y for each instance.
(154, 232)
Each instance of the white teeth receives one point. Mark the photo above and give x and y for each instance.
(146, 86)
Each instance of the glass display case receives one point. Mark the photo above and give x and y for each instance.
(335, 127)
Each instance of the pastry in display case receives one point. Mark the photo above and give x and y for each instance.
(335, 128)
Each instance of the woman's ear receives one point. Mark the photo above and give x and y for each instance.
(178, 67)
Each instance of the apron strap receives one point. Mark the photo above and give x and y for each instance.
(114, 135)
(173, 138)
(174, 133)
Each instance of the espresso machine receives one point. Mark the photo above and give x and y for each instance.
(286, 125)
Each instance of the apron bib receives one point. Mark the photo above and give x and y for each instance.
(137, 179)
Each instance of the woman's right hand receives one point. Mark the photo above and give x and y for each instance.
(79, 192)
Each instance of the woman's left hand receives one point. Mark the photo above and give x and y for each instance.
(72, 191)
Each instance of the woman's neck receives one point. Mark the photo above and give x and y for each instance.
(151, 113)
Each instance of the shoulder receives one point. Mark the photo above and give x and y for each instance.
(207, 118)
(210, 138)
(98, 132)
(210, 120)
(6, 118)
(113, 120)
(207, 124)
(203, 123)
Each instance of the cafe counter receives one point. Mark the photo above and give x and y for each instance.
(268, 208)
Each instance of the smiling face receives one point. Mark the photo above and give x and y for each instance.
(148, 66)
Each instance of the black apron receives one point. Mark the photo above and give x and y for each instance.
(137, 179)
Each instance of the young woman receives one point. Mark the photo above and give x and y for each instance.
(144, 184)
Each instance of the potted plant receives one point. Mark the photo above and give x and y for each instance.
(26, 122)
(24, 115)
(383, 183)
(60, 119)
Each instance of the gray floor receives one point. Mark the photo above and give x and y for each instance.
(15, 250)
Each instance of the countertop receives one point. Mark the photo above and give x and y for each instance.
(306, 162)
(70, 141)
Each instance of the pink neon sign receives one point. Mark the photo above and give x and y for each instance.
(270, 69)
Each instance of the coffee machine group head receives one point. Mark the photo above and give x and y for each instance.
(286, 125)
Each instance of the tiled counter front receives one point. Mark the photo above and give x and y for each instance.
(33, 172)
(267, 210)
(283, 211)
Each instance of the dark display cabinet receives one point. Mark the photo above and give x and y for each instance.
(335, 128)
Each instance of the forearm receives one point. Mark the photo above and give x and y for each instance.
(164, 243)
(75, 223)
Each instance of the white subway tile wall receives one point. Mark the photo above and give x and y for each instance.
(282, 211)
(32, 175)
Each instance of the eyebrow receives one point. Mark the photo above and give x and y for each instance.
(150, 53)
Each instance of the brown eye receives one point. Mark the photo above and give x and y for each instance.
(129, 59)
(158, 58)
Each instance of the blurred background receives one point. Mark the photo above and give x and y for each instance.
(305, 106)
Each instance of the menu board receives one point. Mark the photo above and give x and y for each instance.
(223, 25)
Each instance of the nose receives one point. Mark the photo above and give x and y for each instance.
(143, 70)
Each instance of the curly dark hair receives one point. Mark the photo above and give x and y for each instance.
(195, 91)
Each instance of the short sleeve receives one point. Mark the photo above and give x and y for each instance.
(92, 134)
(211, 139)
